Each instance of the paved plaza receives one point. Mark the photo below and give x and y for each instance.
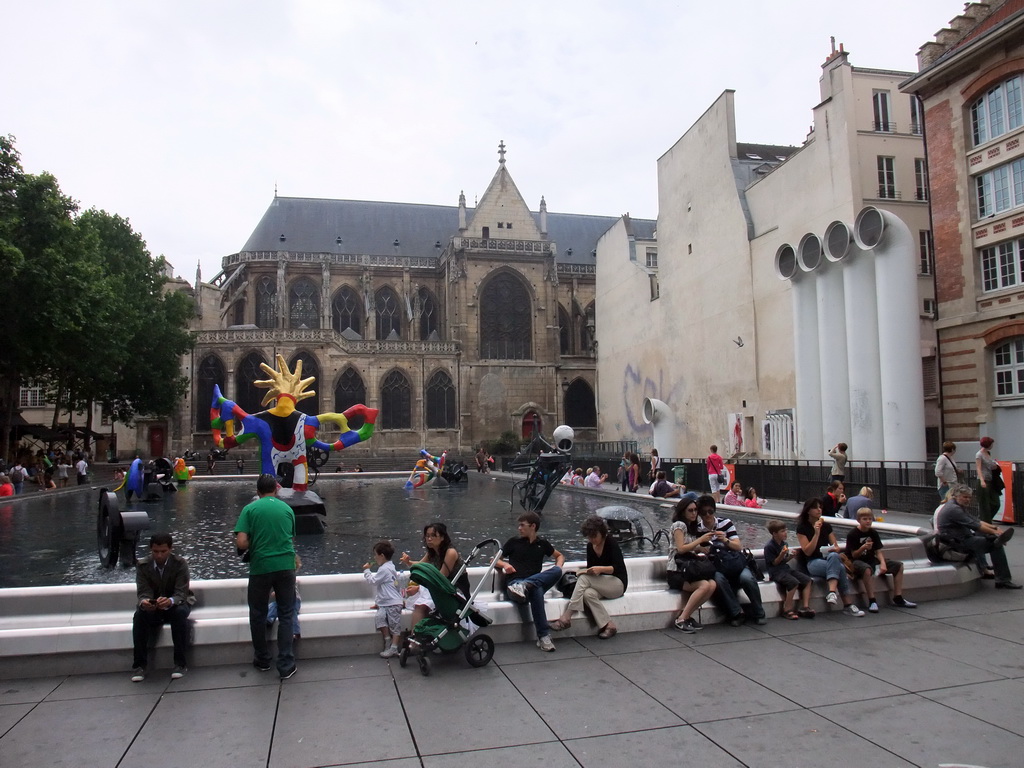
(939, 685)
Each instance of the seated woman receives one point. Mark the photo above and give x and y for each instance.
(604, 578)
(834, 499)
(819, 555)
(735, 495)
(689, 569)
(753, 500)
(441, 554)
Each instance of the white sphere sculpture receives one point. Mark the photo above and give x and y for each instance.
(563, 437)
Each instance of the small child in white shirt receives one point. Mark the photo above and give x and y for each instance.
(388, 600)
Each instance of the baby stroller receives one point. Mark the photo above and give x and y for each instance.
(443, 629)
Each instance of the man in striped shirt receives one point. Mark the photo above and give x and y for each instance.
(727, 539)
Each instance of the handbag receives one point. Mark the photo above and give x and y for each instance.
(723, 478)
(753, 565)
(729, 562)
(694, 567)
(997, 484)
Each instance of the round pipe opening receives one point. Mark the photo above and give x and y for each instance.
(809, 252)
(786, 265)
(869, 227)
(837, 241)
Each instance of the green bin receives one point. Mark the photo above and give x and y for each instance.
(679, 474)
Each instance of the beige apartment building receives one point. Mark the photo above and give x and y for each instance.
(970, 81)
(706, 337)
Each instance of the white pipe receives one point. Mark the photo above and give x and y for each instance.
(661, 417)
(861, 308)
(807, 362)
(902, 387)
(834, 371)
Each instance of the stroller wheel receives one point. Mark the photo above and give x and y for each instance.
(424, 666)
(403, 655)
(479, 650)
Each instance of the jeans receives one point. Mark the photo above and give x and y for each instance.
(830, 567)
(283, 584)
(272, 615)
(726, 594)
(540, 583)
(980, 545)
(144, 621)
(943, 490)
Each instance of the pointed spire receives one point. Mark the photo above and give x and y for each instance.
(543, 217)
(199, 273)
(501, 152)
(462, 211)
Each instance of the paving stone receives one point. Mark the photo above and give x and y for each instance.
(651, 748)
(11, 714)
(109, 684)
(996, 702)
(551, 755)
(29, 689)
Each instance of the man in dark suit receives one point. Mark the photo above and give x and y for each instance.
(164, 597)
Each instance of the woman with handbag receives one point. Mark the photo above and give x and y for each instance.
(819, 555)
(945, 469)
(990, 480)
(604, 578)
(689, 569)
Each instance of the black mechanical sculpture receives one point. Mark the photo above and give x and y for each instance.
(117, 532)
(543, 470)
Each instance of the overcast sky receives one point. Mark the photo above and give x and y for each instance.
(182, 116)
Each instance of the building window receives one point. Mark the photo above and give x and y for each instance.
(441, 402)
(1001, 265)
(930, 375)
(916, 116)
(389, 315)
(429, 320)
(925, 252)
(880, 101)
(1000, 189)
(929, 308)
(266, 303)
(347, 311)
(395, 402)
(349, 391)
(999, 111)
(564, 332)
(505, 319)
(1009, 369)
(210, 372)
(310, 367)
(501, 225)
(303, 305)
(248, 396)
(32, 397)
(652, 258)
(886, 178)
(920, 179)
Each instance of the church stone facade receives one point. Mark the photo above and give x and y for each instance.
(457, 323)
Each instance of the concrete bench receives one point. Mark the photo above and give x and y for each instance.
(55, 630)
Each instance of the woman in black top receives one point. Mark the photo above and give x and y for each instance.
(819, 555)
(441, 554)
(604, 578)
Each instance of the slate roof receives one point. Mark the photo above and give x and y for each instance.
(366, 227)
(767, 152)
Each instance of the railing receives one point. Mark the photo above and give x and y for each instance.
(506, 350)
(491, 244)
(888, 193)
(577, 269)
(327, 336)
(883, 127)
(357, 259)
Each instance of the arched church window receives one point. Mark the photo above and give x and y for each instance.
(429, 316)
(564, 332)
(303, 304)
(249, 397)
(395, 402)
(441, 402)
(389, 313)
(347, 311)
(580, 406)
(505, 319)
(310, 367)
(266, 302)
(349, 391)
(210, 372)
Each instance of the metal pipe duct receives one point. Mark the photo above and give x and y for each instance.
(661, 417)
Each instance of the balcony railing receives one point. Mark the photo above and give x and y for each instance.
(284, 336)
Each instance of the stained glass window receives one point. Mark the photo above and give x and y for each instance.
(350, 391)
(248, 396)
(429, 319)
(505, 319)
(303, 304)
(266, 302)
(348, 311)
(441, 402)
(210, 372)
(395, 402)
(389, 313)
(310, 367)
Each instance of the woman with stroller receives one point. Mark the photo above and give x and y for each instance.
(604, 578)
(443, 556)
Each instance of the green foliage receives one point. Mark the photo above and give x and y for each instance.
(507, 444)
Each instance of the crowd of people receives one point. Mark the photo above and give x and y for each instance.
(46, 470)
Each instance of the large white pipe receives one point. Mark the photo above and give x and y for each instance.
(834, 371)
(866, 436)
(902, 387)
(661, 417)
(788, 266)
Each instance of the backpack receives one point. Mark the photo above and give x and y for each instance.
(17, 476)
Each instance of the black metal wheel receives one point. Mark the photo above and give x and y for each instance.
(424, 666)
(403, 656)
(479, 650)
(108, 529)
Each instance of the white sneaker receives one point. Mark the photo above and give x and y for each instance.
(389, 652)
(832, 598)
(516, 592)
(873, 608)
(853, 610)
(545, 644)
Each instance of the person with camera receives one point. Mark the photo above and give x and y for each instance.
(266, 532)
(163, 597)
(963, 532)
(731, 571)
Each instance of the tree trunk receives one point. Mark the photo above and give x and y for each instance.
(87, 441)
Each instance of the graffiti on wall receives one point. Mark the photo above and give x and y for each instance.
(635, 387)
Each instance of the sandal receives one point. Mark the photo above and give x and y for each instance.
(805, 613)
(608, 632)
(791, 615)
(559, 624)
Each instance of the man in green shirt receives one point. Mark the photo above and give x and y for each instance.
(266, 529)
